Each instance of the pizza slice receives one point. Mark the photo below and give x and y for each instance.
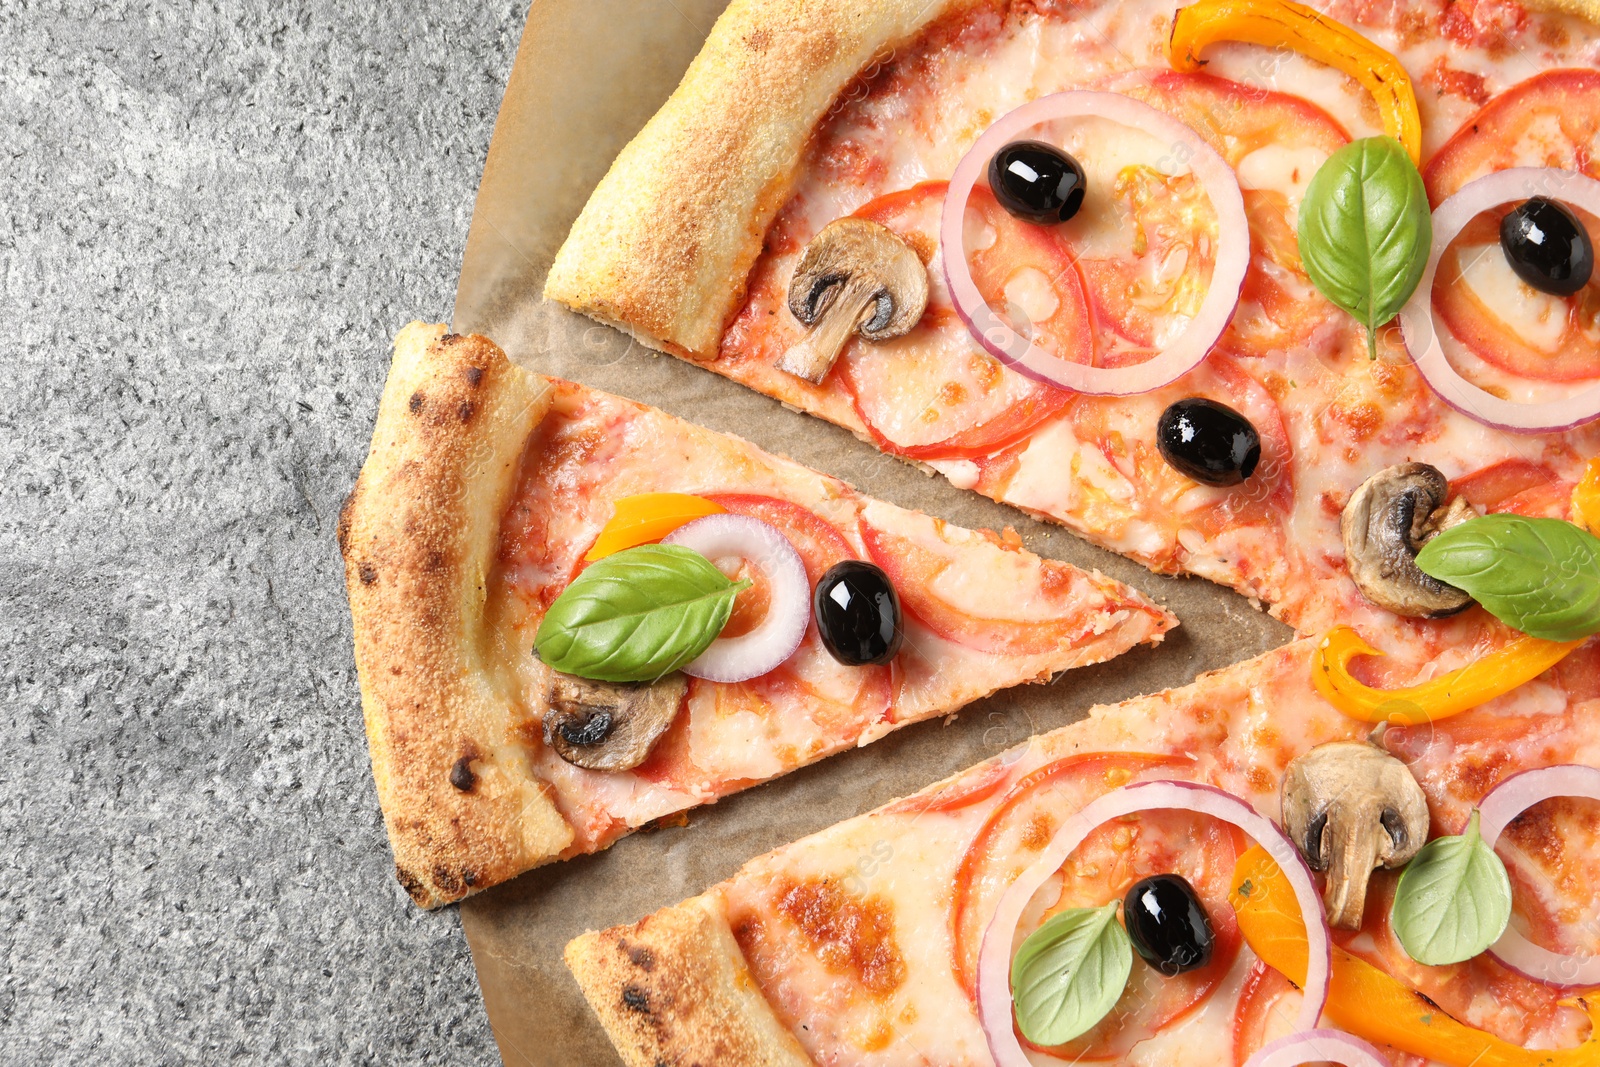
(797, 127)
(519, 633)
(874, 942)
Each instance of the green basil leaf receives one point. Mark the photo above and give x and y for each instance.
(636, 615)
(1069, 973)
(1453, 900)
(1541, 576)
(1365, 230)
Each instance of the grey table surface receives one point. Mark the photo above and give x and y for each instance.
(213, 217)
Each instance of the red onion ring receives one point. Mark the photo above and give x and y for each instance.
(1420, 327)
(994, 957)
(1505, 802)
(775, 638)
(1317, 1046)
(1227, 275)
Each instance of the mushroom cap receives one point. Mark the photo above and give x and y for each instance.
(1349, 807)
(872, 260)
(1387, 521)
(607, 726)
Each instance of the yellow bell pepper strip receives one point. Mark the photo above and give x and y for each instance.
(1284, 24)
(1586, 498)
(647, 517)
(1493, 674)
(1367, 1002)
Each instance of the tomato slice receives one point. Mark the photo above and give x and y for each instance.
(1554, 339)
(1204, 851)
(1103, 868)
(1168, 496)
(1054, 593)
(1549, 120)
(1019, 827)
(818, 541)
(934, 394)
(820, 545)
(1258, 1015)
(964, 792)
(1275, 141)
(1516, 486)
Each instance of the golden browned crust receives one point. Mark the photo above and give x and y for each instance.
(418, 535)
(666, 242)
(668, 238)
(1583, 9)
(673, 989)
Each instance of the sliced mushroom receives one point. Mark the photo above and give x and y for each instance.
(605, 726)
(1385, 525)
(855, 277)
(1350, 807)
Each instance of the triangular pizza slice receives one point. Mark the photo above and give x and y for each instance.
(865, 943)
(480, 508)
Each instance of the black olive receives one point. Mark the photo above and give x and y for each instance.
(1548, 246)
(1037, 182)
(1208, 441)
(858, 613)
(1167, 924)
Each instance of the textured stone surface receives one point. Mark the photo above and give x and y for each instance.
(212, 219)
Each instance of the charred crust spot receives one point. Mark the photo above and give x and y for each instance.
(446, 879)
(411, 884)
(416, 402)
(342, 530)
(469, 877)
(464, 410)
(636, 999)
(367, 573)
(641, 956)
(462, 776)
(474, 376)
(665, 822)
(449, 338)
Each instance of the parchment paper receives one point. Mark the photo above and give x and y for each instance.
(588, 74)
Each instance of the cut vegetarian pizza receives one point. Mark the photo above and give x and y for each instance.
(575, 615)
(1201, 366)
(1300, 300)
(977, 921)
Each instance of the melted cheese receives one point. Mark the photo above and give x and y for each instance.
(1342, 417)
(1537, 318)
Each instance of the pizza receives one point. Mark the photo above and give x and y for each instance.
(867, 116)
(486, 499)
(1298, 300)
(860, 944)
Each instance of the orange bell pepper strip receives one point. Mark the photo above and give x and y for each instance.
(647, 517)
(1367, 1002)
(1493, 674)
(1586, 498)
(1284, 24)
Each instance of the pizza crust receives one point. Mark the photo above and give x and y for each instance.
(667, 240)
(665, 244)
(673, 988)
(418, 535)
(1588, 10)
